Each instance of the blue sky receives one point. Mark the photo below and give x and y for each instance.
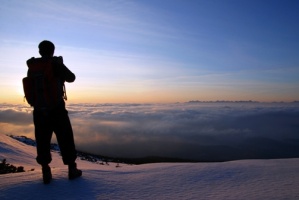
(157, 51)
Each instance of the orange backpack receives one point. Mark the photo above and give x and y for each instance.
(42, 89)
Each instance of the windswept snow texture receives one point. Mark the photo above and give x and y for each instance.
(245, 179)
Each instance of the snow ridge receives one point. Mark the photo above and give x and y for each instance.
(243, 179)
(55, 148)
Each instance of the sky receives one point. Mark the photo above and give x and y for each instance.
(125, 51)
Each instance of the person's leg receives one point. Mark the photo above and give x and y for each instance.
(43, 135)
(65, 138)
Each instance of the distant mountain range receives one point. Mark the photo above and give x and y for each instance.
(247, 101)
(252, 148)
(104, 160)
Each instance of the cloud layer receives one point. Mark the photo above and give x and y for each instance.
(200, 131)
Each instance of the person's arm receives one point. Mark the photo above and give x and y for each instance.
(62, 71)
(68, 75)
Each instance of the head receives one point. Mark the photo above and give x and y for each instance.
(46, 48)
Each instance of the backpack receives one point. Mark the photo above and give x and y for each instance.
(43, 90)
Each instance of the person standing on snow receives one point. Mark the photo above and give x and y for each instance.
(54, 118)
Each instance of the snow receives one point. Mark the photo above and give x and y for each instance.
(243, 179)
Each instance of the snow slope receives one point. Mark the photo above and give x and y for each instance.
(245, 179)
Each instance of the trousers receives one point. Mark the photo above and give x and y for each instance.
(55, 120)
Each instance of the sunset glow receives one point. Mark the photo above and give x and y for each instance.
(157, 51)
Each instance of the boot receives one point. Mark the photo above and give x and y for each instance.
(47, 175)
(74, 172)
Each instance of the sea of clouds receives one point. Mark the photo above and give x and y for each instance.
(198, 131)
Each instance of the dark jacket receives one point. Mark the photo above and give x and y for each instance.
(60, 70)
(61, 73)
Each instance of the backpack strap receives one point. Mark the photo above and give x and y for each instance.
(64, 92)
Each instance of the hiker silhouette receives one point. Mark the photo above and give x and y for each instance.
(47, 75)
